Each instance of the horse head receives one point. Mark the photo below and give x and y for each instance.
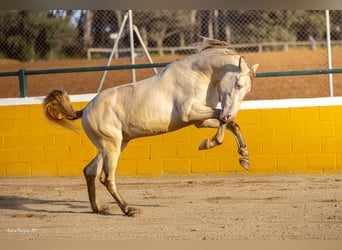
(233, 88)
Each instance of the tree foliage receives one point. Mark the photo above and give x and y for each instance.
(160, 27)
(31, 35)
(247, 26)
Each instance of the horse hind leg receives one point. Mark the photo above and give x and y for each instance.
(110, 160)
(91, 171)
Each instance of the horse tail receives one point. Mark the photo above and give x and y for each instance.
(58, 109)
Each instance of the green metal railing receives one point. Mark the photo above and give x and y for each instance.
(22, 73)
(299, 72)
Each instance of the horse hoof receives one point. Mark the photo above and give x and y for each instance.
(99, 208)
(204, 145)
(244, 163)
(104, 210)
(132, 212)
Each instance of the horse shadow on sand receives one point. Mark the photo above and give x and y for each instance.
(34, 206)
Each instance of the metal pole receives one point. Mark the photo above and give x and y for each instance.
(144, 47)
(115, 48)
(216, 25)
(130, 19)
(22, 83)
(331, 84)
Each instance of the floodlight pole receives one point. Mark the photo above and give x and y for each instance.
(115, 48)
(131, 38)
(331, 83)
(144, 47)
(132, 28)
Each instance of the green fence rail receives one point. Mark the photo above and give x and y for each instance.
(299, 72)
(22, 73)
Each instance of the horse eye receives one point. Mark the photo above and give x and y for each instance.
(237, 85)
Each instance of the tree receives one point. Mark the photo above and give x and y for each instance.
(255, 26)
(104, 22)
(17, 35)
(336, 24)
(29, 35)
(246, 26)
(160, 27)
(55, 35)
(307, 23)
(86, 27)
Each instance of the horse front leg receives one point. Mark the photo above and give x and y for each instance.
(217, 139)
(242, 147)
(198, 112)
(206, 117)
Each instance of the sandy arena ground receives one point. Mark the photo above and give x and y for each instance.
(233, 207)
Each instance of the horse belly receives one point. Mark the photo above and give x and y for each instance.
(153, 117)
(147, 126)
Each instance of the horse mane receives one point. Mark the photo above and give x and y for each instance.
(206, 45)
(209, 43)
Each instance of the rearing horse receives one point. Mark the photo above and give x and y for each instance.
(185, 92)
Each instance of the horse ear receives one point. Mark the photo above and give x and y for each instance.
(254, 68)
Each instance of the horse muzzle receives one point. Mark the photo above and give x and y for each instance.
(226, 117)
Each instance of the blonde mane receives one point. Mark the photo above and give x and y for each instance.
(209, 43)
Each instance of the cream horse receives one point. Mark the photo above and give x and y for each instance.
(186, 92)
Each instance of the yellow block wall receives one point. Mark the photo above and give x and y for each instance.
(282, 140)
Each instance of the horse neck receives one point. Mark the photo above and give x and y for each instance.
(216, 58)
